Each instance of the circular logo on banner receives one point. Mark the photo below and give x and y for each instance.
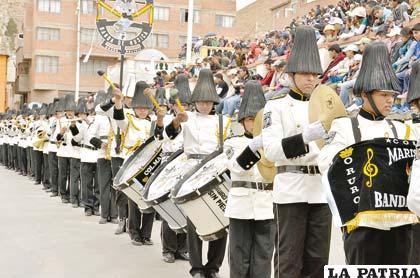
(124, 24)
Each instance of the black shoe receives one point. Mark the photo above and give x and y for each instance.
(48, 190)
(37, 182)
(182, 256)
(168, 257)
(199, 275)
(137, 242)
(121, 227)
(75, 205)
(214, 275)
(65, 201)
(103, 220)
(88, 213)
(54, 195)
(147, 241)
(114, 221)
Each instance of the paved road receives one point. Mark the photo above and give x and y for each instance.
(42, 238)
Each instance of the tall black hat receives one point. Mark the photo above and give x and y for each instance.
(205, 89)
(59, 105)
(44, 109)
(183, 86)
(305, 55)
(139, 98)
(50, 110)
(414, 88)
(161, 96)
(82, 106)
(69, 103)
(100, 97)
(25, 111)
(376, 71)
(252, 101)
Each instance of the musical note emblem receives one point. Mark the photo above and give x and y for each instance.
(370, 169)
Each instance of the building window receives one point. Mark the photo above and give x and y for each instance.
(91, 67)
(87, 35)
(225, 21)
(46, 64)
(157, 41)
(87, 7)
(49, 6)
(184, 16)
(161, 13)
(47, 34)
(183, 40)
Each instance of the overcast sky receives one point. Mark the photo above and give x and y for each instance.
(242, 3)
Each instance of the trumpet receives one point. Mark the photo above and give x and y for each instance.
(39, 143)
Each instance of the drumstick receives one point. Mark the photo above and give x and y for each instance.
(148, 93)
(178, 103)
(106, 78)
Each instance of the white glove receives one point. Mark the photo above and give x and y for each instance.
(256, 143)
(313, 132)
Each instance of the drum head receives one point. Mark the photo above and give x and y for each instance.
(138, 161)
(210, 168)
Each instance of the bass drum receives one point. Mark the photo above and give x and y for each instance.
(203, 195)
(136, 170)
(160, 184)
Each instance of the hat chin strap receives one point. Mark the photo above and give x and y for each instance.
(372, 103)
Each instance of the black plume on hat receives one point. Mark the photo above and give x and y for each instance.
(82, 106)
(100, 97)
(205, 89)
(44, 109)
(51, 109)
(161, 96)
(414, 88)
(305, 55)
(183, 86)
(59, 105)
(69, 103)
(376, 71)
(139, 98)
(252, 101)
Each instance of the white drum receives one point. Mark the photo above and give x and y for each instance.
(203, 195)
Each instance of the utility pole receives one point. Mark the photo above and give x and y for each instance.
(190, 30)
(76, 91)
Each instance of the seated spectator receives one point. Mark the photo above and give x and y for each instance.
(229, 104)
(337, 73)
(328, 36)
(221, 86)
(362, 43)
(336, 57)
(395, 43)
(406, 50)
(266, 81)
(280, 80)
(399, 12)
(338, 25)
(349, 80)
(369, 12)
(358, 23)
(415, 6)
(382, 16)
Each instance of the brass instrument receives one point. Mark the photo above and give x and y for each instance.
(39, 143)
(109, 143)
(58, 143)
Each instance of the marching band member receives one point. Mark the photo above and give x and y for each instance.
(101, 135)
(174, 245)
(52, 133)
(377, 85)
(250, 202)
(136, 127)
(46, 171)
(302, 215)
(24, 137)
(199, 130)
(35, 142)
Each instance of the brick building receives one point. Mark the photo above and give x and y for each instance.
(47, 55)
(266, 15)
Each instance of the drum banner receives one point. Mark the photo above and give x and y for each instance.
(368, 184)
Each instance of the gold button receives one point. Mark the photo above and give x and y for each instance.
(298, 126)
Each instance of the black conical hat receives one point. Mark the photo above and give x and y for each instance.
(33, 111)
(51, 110)
(59, 104)
(139, 98)
(100, 97)
(44, 109)
(376, 71)
(252, 101)
(414, 88)
(69, 103)
(161, 96)
(82, 106)
(205, 89)
(183, 86)
(305, 55)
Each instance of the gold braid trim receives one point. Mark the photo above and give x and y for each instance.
(407, 132)
(130, 124)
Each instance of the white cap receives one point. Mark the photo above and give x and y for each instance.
(394, 32)
(199, 60)
(358, 57)
(358, 11)
(351, 47)
(335, 20)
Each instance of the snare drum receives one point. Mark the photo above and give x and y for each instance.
(160, 184)
(203, 195)
(137, 169)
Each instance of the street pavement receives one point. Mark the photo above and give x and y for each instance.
(42, 238)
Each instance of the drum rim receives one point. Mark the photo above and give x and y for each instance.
(128, 182)
(192, 195)
(154, 176)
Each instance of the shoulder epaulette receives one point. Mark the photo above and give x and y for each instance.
(278, 96)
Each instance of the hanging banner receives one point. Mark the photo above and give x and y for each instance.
(124, 24)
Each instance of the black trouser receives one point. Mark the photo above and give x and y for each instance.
(19, 158)
(415, 252)
(215, 253)
(24, 161)
(38, 165)
(53, 165)
(107, 192)
(120, 197)
(45, 171)
(33, 163)
(5, 155)
(1, 154)
(368, 246)
(74, 180)
(29, 160)
(140, 224)
(251, 245)
(15, 158)
(63, 177)
(172, 242)
(302, 239)
(90, 188)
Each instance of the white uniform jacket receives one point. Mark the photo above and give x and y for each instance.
(80, 134)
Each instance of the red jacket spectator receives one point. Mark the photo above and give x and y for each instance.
(337, 56)
(266, 81)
